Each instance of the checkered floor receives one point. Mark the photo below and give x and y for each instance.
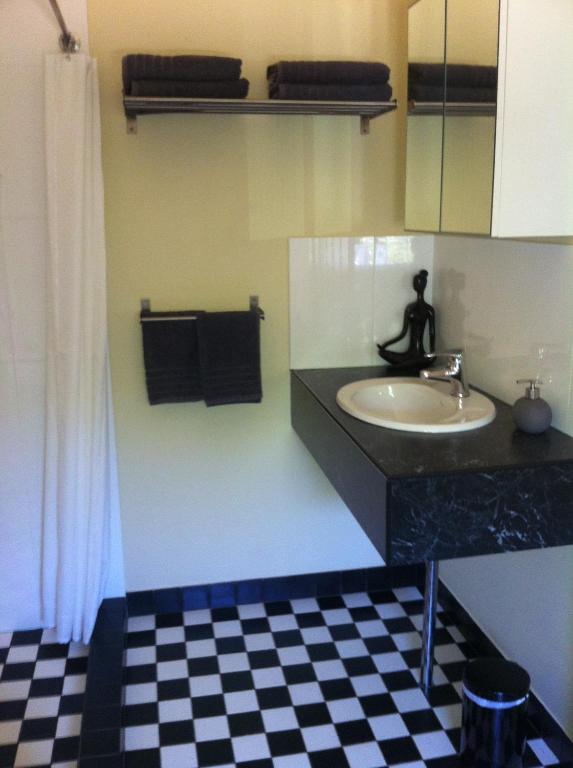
(326, 683)
(42, 687)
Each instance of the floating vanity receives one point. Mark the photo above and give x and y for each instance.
(431, 497)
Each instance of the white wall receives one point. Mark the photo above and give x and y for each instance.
(510, 304)
(28, 30)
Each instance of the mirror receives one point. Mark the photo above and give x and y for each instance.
(426, 43)
(452, 104)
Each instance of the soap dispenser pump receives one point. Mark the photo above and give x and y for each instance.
(532, 413)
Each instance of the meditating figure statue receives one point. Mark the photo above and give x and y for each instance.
(416, 315)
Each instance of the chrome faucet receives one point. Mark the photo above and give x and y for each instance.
(453, 371)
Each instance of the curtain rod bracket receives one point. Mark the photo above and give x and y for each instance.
(69, 43)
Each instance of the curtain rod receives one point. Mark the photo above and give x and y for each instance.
(68, 43)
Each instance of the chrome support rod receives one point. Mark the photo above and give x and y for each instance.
(430, 603)
(68, 43)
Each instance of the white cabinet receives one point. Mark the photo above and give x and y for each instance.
(503, 169)
(533, 170)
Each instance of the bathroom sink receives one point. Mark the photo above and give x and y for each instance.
(412, 405)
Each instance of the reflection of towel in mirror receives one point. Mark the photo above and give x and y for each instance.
(198, 89)
(141, 66)
(229, 350)
(317, 72)
(454, 94)
(380, 92)
(462, 75)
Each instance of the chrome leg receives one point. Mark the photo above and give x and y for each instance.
(430, 602)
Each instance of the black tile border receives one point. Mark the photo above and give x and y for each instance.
(539, 717)
(101, 733)
(229, 594)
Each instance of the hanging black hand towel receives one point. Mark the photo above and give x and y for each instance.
(171, 356)
(229, 350)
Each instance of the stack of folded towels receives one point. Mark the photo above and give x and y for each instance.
(465, 83)
(329, 81)
(200, 77)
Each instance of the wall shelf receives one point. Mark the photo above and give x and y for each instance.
(135, 106)
(452, 108)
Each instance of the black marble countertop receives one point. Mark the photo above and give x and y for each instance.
(499, 445)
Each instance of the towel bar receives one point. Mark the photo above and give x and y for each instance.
(146, 307)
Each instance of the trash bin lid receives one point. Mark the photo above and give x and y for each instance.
(496, 680)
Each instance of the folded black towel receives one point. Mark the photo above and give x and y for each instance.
(296, 91)
(198, 89)
(229, 350)
(463, 75)
(142, 66)
(316, 72)
(454, 94)
(171, 356)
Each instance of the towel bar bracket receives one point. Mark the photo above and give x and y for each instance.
(131, 123)
(364, 125)
(145, 305)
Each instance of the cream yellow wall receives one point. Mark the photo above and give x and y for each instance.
(199, 210)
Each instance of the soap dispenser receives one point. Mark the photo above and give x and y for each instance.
(531, 413)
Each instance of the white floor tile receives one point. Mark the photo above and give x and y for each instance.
(172, 670)
(305, 605)
(227, 628)
(283, 623)
(167, 635)
(368, 685)
(174, 710)
(388, 727)
(254, 747)
(268, 677)
(410, 700)
(205, 685)
(252, 611)
(196, 649)
(241, 701)
(320, 737)
(31, 753)
(211, 728)
(364, 755)
(279, 719)
(434, 744)
(262, 641)
(44, 706)
(345, 710)
(305, 693)
(9, 731)
(143, 693)
(141, 737)
(179, 756)
(233, 662)
(296, 654)
(68, 725)
(542, 751)
(356, 600)
(329, 670)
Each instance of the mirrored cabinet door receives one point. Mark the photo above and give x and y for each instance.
(426, 56)
(469, 115)
(452, 94)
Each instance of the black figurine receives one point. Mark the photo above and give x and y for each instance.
(416, 315)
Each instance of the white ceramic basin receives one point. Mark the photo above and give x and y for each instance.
(413, 405)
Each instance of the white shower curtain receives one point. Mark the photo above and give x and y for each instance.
(80, 489)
